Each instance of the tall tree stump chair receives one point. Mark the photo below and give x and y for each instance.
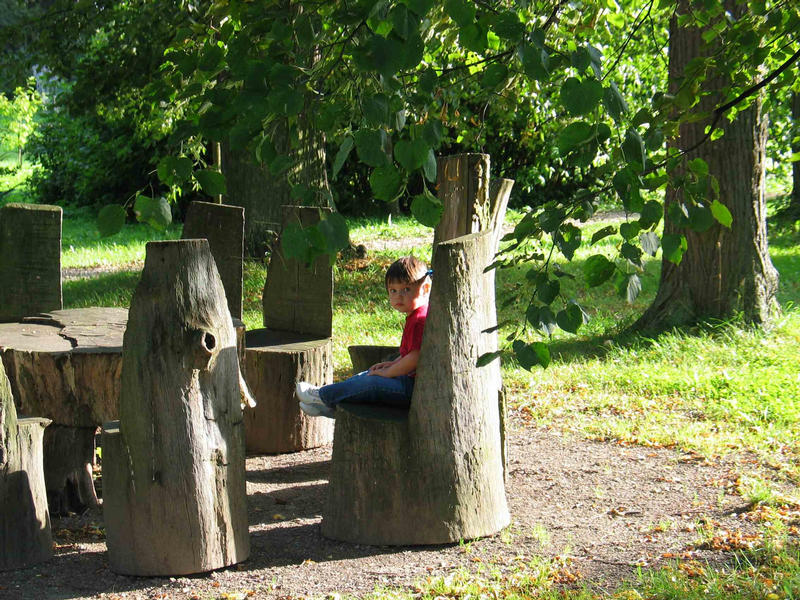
(173, 465)
(295, 345)
(223, 226)
(25, 537)
(432, 474)
(30, 260)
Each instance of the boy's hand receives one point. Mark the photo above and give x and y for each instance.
(378, 366)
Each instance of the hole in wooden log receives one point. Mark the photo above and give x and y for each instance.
(209, 341)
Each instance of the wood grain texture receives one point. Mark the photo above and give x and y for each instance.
(173, 469)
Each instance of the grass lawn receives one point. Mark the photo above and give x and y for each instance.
(724, 392)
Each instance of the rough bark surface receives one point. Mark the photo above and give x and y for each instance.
(30, 260)
(724, 271)
(276, 360)
(173, 470)
(296, 297)
(223, 226)
(439, 466)
(25, 537)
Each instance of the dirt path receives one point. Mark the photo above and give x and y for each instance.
(601, 507)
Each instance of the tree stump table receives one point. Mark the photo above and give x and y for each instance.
(24, 521)
(65, 365)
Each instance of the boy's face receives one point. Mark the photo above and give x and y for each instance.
(408, 296)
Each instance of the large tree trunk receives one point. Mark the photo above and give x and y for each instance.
(725, 271)
(794, 203)
(173, 469)
(24, 521)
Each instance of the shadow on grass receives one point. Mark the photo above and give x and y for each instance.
(112, 289)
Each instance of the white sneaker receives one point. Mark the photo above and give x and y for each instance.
(313, 410)
(308, 394)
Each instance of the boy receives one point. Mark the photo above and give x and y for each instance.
(391, 383)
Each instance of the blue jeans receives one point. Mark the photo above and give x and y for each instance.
(370, 389)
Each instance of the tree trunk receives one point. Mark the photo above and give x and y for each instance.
(30, 260)
(275, 362)
(725, 271)
(173, 469)
(794, 203)
(24, 521)
(68, 462)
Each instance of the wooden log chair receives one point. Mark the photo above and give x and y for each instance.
(295, 345)
(25, 537)
(434, 473)
(174, 498)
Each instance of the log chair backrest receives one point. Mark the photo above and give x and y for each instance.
(299, 298)
(30, 260)
(223, 226)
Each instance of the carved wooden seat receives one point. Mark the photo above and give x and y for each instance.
(25, 537)
(434, 474)
(295, 345)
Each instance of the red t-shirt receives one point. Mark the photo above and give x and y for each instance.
(412, 332)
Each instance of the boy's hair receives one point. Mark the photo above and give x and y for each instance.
(408, 269)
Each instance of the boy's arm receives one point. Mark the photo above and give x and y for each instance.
(401, 366)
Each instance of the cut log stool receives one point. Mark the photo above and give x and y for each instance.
(25, 537)
(173, 466)
(294, 346)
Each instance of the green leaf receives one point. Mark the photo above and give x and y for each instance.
(427, 81)
(494, 76)
(294, 242)
(386, 182)
(411, 154)
(568, 240)
(427, 209)
(211, 182)
(473, 37)
(432, 132)
(627, 183)
(603, 233)
(597, 269)
(721, 214)
(342, 154)
(574, 135)
(488, 357)
(429, 167)
(633, 150)
(542, 318)
(651, 214)
(673, 246)
(508, 26)
(334, 228)
(629, 230)
(535, 62)
(405, 22)
(614, 102)
(700, 218)
(174, 170)
(461, 11)
(376, 109)
(421, 7)
(650, 242)
(110, 219)
(570, 319)
(632, 253)
(581, 97)
(698, 166)
(547, 290)
(629, 287)
(156, 212)
(211, 57)
(369, 145)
